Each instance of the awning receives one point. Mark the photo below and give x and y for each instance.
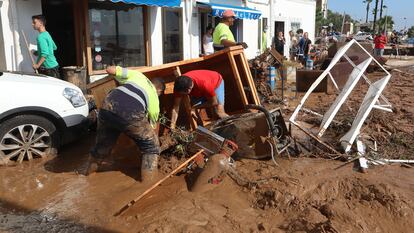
(162, 3)
(241, 12)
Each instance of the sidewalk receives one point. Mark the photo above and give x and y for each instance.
(397, 62)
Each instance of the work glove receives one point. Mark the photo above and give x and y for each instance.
(243, 44)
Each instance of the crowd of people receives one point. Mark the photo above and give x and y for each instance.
(221, 36)
(299, 47)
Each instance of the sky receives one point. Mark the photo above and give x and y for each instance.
(398, 9)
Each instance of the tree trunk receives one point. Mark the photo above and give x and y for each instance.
(366, 18)
(382, 7)
(375, 15)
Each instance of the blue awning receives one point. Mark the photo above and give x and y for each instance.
(241, 12)
(162, 3)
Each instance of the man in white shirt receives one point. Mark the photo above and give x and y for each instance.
(208, 41)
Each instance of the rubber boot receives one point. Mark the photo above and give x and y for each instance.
(219, 109)
(92, 165)
(149, 168)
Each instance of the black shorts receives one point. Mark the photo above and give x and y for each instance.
(52, 72)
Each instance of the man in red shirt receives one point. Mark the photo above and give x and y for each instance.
(380, 41)
(205, 88)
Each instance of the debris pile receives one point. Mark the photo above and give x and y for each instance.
(259, 67)
(370, 101)
(337, 123)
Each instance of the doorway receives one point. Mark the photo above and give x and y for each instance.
(205, 20)
(262, 35)
(60, 25)
(172, 35)
(279, 27)
(236, 28)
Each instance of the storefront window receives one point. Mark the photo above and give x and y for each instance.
(172, 35)
(294, 26)
(117, 34)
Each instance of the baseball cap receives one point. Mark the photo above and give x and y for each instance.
(228, 13)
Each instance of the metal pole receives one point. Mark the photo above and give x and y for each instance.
(405, 23)
(386, 21)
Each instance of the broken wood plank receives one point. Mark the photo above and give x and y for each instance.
(131, 203)
(237, 79)
(316, 138)
(250, 81)
(277, 55)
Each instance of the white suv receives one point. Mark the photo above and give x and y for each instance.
(37, 114)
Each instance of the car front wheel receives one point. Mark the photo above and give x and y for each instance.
(26, 137)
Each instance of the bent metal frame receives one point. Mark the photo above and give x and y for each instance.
(372, 99)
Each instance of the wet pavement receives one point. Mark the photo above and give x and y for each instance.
(51, 195)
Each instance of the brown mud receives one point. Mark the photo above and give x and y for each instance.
(393, 132)
(299, 195)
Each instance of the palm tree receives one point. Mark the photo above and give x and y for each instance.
(385, 23)
(368, 2)
(375, 15)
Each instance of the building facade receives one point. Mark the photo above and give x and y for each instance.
(97, 33)
(291, 15)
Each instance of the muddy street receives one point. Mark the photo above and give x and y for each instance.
(302, 194)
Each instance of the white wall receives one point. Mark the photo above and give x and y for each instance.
(191, 30)
(7, 34)
(16, 15)
(290, 11)
(251, 29)
(250, 37)
(155, 31)
(25, 11)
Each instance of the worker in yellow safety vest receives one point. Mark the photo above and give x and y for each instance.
(133, 109)
(222, 36)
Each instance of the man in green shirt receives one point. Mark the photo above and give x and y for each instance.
(264, 39)
(46, 61)
(222, 36)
